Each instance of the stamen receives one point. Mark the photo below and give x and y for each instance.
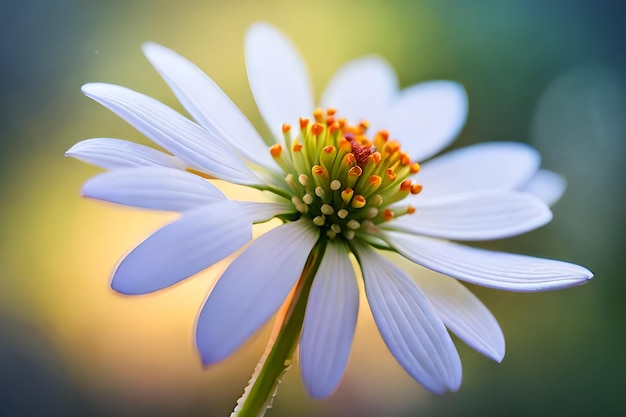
(334, 126)
(319, 170)
(342, 213)
(387, 215)
(291, 181)
(349, 159)
(355, 171)
(405, 186)
(358, 201)
(302, 208)
(303, 179)
(319, 191)
(308, 199)
(335, 185)
(319, 115)
(276, 150)
(374, 180)
(327, 209)
(319, 220)
(416, 188)
(304, 122)
(317, 129)
(371, 212)
(391, 146)
(353, 224)
(346, 195)
(335, 228)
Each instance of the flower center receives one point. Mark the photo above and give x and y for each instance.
(342, 180)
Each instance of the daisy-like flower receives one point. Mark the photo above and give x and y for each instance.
(344, 179)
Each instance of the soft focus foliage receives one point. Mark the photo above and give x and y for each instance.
(549, 74)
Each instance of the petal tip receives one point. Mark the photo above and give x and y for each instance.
(93, 89)
(148, 46)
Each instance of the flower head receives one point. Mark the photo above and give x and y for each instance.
(344, 178)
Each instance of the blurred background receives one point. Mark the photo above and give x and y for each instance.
(551, 74)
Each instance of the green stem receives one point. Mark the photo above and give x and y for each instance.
(257, 397)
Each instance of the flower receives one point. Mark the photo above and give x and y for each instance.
(342, 184)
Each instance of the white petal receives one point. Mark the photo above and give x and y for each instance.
(278, 78)
(498, 270)
(208, 104)
(153, 188)
(427, 117)
(483, 216)
(169, 129)
(362, 89)
(413, 332)
(464, 314)
(252, 289)
(481, 167)
(329, 323)
(260, 212)
(182, 248)
(548, 186)
(111, 153)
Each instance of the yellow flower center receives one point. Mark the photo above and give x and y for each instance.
(342, 180)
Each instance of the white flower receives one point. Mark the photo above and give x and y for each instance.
(330, 182)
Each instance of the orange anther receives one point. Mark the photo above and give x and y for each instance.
(319, 115)
(358, 201)
(363, 141)
(374, 180)
(410, 210)
(330, 120)
(355, 171)
(319, 170)
(286, 127)
(415, 168)
(304, 122)
(276, 150)
(405, 159)
(296, 147)
(349, 159)
(334, 126)
(416, 188)
(391, 174)
(342, 122)
(384, 135)
(317, 129)
(346, 195)
(406, 185)
(377, 157)
(331, 111)
(392, 146)
(345, 144)
(387, 215)
(329, 149)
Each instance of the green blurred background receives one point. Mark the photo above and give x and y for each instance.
(551, 74)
